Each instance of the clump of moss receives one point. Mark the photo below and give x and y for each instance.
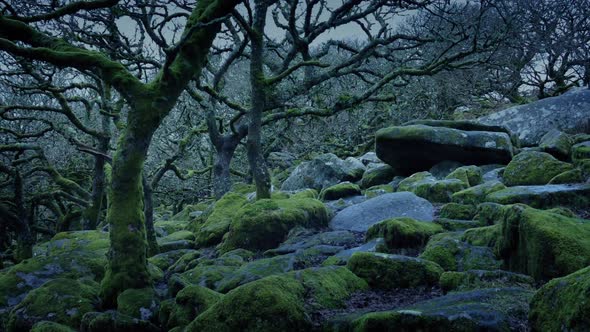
(190, 302)
(139, 303)
(533, 168)
(340, 190)
(458, 211)
(265, 224)
(48, 326)
(114, 321)
(423, 184)
(403, 232)
(394, 271)
(217, 223)
(543, 244)
(471, 175)
(377, 175)
(486, 236)
(571, 176)
(562, 304)
(581, 151)
(64, 301)
(477, 279)
(305, 193)
(477, 194)
(442, 249)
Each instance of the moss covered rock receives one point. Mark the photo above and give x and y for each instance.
(477, 194)
(189, 303)
(266, 223)
(48, 326)
(277, 303)
(138, 303)
(403, 232)
(218, 221)
(486, 236)
(63, 301)
(571, 176)
(114, 321)
(471, 175)
(458, 211)
(557, 143)
(425, 185)
(394, 271)
(255, 270)
(492, 309)
(544, 196)
(376, 175)
(562, 304)
(543, 244)
(533, 168)
(341, 190)
(476, 279)
(581, 151)
(453, 254)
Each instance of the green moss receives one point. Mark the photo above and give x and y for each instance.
(377, 175)
(171, 226)
(533, 168)
(483, 236)
(477, 279)
(453, 225)
(490, 213)
(218, 222)
(458, 211)
(114, 321)
(270, 304)
(265, 223)
(47, 326)
(442, 249)
(178, 236)
(167, 259)
(477, 194)
(403, 232)
(340, 190)
(64, 301)
(581, 151)
(471, 175)
(394, 271)
(189, 303)
(426, 186)
(255, 270)
(138, 303)
(571, 176)
(306, 193)
(562, 304)
(542, 244)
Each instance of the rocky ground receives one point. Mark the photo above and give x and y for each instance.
(449, 226)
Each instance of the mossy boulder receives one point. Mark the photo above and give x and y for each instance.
(177, 236)
(476, 279)
(452, 225)
(139, 303)
(486, 236)
(477, 194)
(165, 227)
(458, 211)
(424, 185)
(453, 254)
(305, 193)
(385, 271)
(571, 176)
(255, 270)
(378, 174)
(546, 196)
(543, 244)
(491, 309)
(63, 301)
(48, 326)
(557, 143)
(277, 303)
(206, 271)
(418, 147)
(265, 224)
(562, 304)
(167, 259)
(471, 175)
(533, 168)
(218, 221)
(403, 232)
(71, 255)
(323, 171)
(189, 303)
(581, 151)
(114, 321)
(341, 190)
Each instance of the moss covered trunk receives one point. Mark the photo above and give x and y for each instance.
(259, 95)
(148, 210)
(127, 260)
(221, 168)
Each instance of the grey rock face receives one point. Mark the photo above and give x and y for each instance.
(361, 216)
(531, 121)
(324, 171)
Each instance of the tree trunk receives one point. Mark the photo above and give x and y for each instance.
(24, 237)
(148, 209)
(127, 266)
(221, 167)
(259, 94)
(92, 215)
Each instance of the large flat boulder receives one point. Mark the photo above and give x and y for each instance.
(361, 216)
(417, 147)
(531, 121)
(543, 196)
